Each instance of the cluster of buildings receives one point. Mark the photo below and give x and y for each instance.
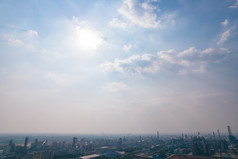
(132, 146)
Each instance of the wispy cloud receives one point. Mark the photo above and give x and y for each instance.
(127, 48)
(115, 22)
(224, 36)
(115, 87)
(235, 5)
(200, 69)
(227, 32)
(32, 33)
(225, 23)
(20, 38)
(15, 42)
(143, 14)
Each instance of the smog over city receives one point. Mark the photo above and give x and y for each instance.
(118, 79)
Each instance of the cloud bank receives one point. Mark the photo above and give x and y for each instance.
(189, 60)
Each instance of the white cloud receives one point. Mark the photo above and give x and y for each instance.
(21, 39)
(225, 23)
(116, 86)
(148, 7)
(32, 33)
(15, 42)
(234, 5)
(189, 52)
(117, 23)
(185, 63)
(223, 50)
(18, 43)
(208, 51)
(151, 68)
(145, 18)
(127, 48)
(224, 36)
(114, 67)
(146, 57)
(143, 14)
(167, 56)
(227, 32)
(200, 69)
(189, 60)
(133, 64)
(183, 72)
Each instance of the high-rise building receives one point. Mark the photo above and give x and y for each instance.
(230, 135)
(26, 141)
(158, 135)
(47, 154)
(25, 144)
(11, 147)
(75, 141)
(229, 130)
(214, 141)
(199, 146)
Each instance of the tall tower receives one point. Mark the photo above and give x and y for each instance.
(158, 135)
(25, 144)
(75, 141)
(231, 137)
(219, 135)
(26, 141)
(214, 141)
(229, 130)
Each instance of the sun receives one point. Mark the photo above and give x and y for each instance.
(88, 39)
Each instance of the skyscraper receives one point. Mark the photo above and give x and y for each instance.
(25, 144)
(75, 141)
(229, 130)
(158, 135)
(230, 135)
(47, 154)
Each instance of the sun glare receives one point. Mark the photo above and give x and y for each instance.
(88, 39)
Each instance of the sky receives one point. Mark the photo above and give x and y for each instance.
(118, 66)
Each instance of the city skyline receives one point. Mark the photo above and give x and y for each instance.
(210, 146)
(118, 67)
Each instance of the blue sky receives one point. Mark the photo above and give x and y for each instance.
(126, 66)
